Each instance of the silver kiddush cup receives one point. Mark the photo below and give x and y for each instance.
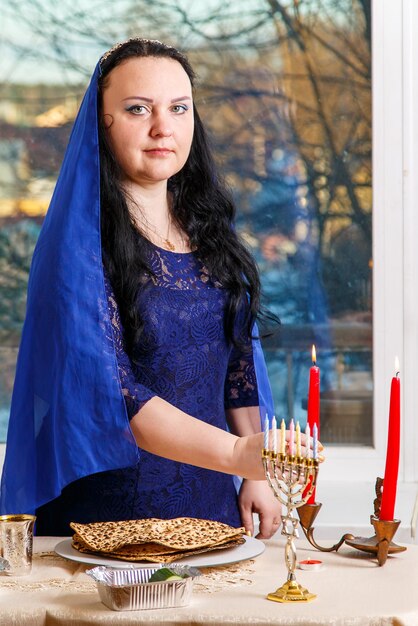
(16, 541)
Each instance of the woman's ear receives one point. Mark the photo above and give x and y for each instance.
(107, 120)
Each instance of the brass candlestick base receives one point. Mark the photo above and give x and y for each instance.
(381, 543)
(307, 515)
(291, 591)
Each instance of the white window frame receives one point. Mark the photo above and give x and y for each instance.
(346, 481)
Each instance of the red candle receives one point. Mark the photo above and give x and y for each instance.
(313, 402)
(392, 453)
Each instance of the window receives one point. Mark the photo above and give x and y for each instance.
(289, 109)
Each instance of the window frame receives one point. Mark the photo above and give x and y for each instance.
(352, 471)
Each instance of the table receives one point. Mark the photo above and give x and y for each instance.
(352, 591)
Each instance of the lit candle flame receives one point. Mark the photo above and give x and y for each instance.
(313, 355)
(397, 365)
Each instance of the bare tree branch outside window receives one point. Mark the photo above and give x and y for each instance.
(285, 90)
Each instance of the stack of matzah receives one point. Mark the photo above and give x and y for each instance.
(155, 540)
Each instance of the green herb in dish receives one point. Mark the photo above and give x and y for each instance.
(164, 574)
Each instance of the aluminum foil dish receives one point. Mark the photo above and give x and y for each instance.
(130, 589)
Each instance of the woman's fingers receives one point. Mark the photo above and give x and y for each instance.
(269, 525)
(257, 497)
(303, 442)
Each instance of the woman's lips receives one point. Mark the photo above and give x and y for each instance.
(160, 152)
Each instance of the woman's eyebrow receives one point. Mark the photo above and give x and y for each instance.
(144, 99)
(182, 98)
(138, 98)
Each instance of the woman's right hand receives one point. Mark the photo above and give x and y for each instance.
(247, 455)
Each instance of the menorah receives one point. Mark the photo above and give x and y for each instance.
(292, 478)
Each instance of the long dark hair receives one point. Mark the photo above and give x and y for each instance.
(202, 207)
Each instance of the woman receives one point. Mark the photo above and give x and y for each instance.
(141, 305)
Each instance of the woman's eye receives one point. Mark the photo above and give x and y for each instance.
(180, 108)
(137, 109)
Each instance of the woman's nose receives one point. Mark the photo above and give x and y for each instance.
(161, 126)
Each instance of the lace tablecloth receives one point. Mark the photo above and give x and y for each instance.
(352, 591)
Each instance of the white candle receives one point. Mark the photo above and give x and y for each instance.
(298, 443)
(283, 437)
(292, 438)
(274, 427)
(315, 442)
(266, 432)
(307, 441)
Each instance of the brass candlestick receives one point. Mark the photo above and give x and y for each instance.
(307, 514)
(289, 476)
(380, 544)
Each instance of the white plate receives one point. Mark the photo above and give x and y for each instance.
(248, 550)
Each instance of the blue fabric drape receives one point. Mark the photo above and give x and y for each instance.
(68, 416)
(265, 396)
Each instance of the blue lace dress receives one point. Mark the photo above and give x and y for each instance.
(184, 358)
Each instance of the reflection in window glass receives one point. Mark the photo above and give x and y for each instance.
(285, 89)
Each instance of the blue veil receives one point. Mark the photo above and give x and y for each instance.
(68, 416)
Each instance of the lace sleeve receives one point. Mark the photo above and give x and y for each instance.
(241, 382)
(135, 394)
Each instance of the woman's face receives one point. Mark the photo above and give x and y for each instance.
(148, 114)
